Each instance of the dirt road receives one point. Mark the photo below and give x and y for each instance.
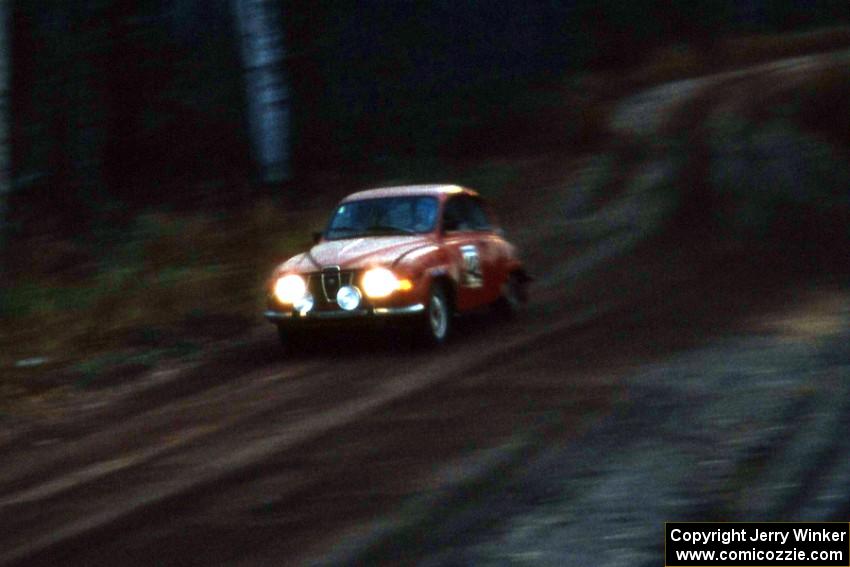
(252, 457)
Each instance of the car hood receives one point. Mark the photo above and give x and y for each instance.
(356, 253)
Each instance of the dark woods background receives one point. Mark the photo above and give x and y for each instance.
(122, 104)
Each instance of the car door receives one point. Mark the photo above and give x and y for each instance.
(490, 248)
(469, 244)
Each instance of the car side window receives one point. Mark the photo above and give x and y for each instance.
(477, 215)
(465, 213)
(454, 217)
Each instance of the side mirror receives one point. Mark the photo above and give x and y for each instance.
(317, 236)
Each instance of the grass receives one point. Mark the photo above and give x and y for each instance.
(161, 284)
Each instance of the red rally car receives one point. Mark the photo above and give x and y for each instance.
(417, 254)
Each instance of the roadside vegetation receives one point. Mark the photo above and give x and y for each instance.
(162, 284)
(766, 162)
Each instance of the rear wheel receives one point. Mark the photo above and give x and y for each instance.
(514, 295)
(436, 324)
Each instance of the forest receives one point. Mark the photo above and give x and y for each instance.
(146, 102)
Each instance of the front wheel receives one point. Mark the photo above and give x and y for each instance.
(436, 325)
(291, 340)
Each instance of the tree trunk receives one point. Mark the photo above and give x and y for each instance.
(263, 53)
(5, 169)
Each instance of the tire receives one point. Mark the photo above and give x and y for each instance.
(436, 324)
(514, 296)
(291, 340)
(283, 335)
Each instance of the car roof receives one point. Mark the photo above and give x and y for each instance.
(409, 191)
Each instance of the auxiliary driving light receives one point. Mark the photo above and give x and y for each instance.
(305, 304)
(348, 297)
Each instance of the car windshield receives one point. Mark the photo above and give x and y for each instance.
(389, 215)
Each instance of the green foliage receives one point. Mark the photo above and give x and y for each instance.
(164, 277)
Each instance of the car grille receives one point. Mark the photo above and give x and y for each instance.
(324, 285)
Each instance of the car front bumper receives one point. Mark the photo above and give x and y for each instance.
(278, 316)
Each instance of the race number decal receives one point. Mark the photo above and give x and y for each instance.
(471, 276)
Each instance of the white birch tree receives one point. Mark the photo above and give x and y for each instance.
(263, 52)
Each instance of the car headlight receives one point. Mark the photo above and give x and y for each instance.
(290, 288)
(380, 282)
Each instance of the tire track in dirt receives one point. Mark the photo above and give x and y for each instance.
(198, 473)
